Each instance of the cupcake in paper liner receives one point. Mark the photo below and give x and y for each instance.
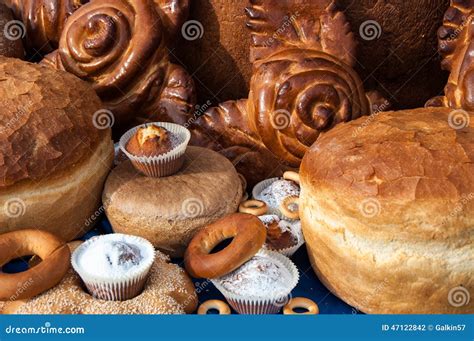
(260, 286)
(156, 149)
(283, 236)
(114, 267)
(274, 192)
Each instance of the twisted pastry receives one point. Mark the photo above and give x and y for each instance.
(296, 94)
(456, 46)
(119, 47)
(44, 20)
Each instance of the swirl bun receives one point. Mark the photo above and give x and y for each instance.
(119, 46)
(44, 20)
(296, 94)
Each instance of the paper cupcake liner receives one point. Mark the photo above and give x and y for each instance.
(269, 304)
(161, 165)
(256, 194)
(115, 289)
(290, 251)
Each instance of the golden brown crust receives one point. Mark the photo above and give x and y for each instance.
(119, 46)
(55, 263)
(10, 40)
(169, 290)
(47, 118)
(149, 141)
(44, 21)
(392, 196)
(169, 211)
(248, 236)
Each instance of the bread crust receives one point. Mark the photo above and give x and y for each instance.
(389, 200)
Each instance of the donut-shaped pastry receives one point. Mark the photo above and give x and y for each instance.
(55, 262)
(168, 290)
(285, 207)
(222, 307)
(302, 303)
(254, 207)
(248, 235)
(292, 176)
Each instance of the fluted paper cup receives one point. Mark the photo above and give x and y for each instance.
(267, 303)
(257, 195)
(117, 288)
(161, 165)
(298, 233)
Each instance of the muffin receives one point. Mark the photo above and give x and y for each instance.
(283, 236)
(261, 285)
(114, 267)
(156, 149)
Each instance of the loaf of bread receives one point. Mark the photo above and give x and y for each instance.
(55, 149)
(387, 209)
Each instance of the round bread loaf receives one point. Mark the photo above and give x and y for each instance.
(169, 211)
(11, 44)
(54, 155)
(387, 209)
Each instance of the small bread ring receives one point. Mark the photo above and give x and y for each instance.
(292, 176)
(285, 207)
(55, 263)
(248, 233)
(255, 207)
(303, 303)
(222, 307)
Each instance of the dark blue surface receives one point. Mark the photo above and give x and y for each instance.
(309, 286)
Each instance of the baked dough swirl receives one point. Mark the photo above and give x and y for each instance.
(119, 46)
(296, 94)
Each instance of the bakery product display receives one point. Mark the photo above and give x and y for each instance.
(283, 236)
(54, 265)
(169, 211)
(276, 193)
(247, 233)
(299, 88)
(156, 149)
(389, 205)
(167, 291)
(11, 44)
(114, 267)
(55, 150)
(259, 285)
(120, 48)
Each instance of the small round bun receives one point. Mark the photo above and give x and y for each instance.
(151, 140)
(387, 210)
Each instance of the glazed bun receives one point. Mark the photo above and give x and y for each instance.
(387, 208)
(54, 152)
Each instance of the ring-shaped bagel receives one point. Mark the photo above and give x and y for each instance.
(285, 207)
(222, 307)
(55, 256)
(303, 303)
(248, 234)
(255, 207)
